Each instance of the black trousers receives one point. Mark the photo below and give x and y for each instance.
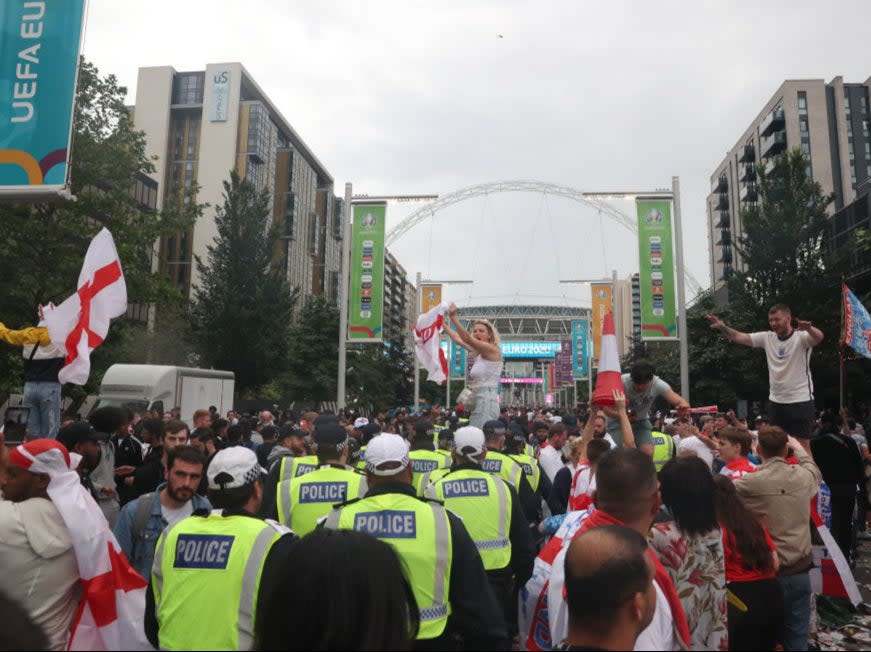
(843, 503)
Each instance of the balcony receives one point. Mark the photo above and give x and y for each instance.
(773, 145)
(721, 184)
(722, 202)
(724, 222)
(747, 154)
(773, 123)
(748, 193)
(725, 273)
(748, 173)
(725, 237)
(725, 255)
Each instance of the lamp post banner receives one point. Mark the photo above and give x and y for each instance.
(579, 349)
(656, 258)
(39, 51)
(365, 312)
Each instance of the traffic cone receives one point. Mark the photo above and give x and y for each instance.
(608, 373)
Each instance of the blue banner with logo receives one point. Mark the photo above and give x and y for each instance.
(579, 348)
(39, 46)
(457, 361)
(857, 324)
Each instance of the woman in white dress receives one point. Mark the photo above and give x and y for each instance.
(486, 370)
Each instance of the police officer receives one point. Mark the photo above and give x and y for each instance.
(498, 463)
(517, 448)
(663, 449)
(443, 564)
(423, 458)
(227, 554)
(489, 508)
(303, 500)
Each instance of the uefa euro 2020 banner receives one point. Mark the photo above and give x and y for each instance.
(366, 308)
(579, 349)
(39, 46)
(658, 294)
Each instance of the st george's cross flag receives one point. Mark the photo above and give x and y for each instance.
(857, 324)
(112, 607)
(427, 343)
(82, 321)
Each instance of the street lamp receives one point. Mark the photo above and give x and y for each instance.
(420, 281)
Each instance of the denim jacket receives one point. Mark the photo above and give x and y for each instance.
(140, 550)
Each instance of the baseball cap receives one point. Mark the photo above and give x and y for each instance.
(289, 430)
(79, 432)
(387, 450)
(370, 429)
(330, 434)
(361, 421)
(570, 421)
(469, 441)
(423, 427)
(233, 467)
(494, 425)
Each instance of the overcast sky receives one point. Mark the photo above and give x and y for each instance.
(413, 97)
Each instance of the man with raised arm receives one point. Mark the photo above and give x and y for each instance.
(788, 352)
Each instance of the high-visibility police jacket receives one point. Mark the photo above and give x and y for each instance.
(529, 449)
(500, 464)
(293, 467)
(435, 437)
(420, 532)
(663, 449)
(483, 501)
(423, 462)
(301, 501)
(530, 467)
(218, 556)
(430, 477)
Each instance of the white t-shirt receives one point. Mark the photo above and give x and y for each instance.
(173, 516)
(789, 371)
(550, 460)
(697, 446)
(659, 634)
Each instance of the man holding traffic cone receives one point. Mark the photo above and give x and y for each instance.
(641, 387)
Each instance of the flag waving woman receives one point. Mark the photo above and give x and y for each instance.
(484, 376)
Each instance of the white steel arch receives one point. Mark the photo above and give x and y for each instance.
(594, 200)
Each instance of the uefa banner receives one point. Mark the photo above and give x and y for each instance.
(366, 308)
(579, 349)
(658, 295)
(430, 296)
(457, 361)
(39, 46)
(603, 303)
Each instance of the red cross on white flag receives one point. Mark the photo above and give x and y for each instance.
(82, 321)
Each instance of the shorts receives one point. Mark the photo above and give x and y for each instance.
(642, 429)
(797, 419)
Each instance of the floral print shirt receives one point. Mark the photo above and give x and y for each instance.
(697, 568)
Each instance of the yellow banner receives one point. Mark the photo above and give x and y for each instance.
(603, 303)
(430, 297)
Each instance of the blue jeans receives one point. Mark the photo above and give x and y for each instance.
(796, 610)
(43, 399)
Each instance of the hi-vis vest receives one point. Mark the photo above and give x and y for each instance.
(531, 468)
(423, 462)
(529, 449)
(293, 467)
(430, 477)
(435, 437)
(663, 449)
(499, 464)
(483, 501)
(217, 556)
(303, 500)
(420, 532)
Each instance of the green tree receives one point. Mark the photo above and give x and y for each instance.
(242, 308)
(44, 243)
(313, 364)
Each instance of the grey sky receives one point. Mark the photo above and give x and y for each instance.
(412, 97)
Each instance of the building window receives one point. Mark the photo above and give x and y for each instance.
(187, 88)
(802, 103)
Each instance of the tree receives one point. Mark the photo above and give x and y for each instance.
(313, 363)
(242, 308)
(44, 244)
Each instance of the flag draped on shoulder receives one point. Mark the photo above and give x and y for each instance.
(82, 321)
(427, 343)
(112, 607)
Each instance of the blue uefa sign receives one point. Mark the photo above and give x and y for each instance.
(579, 348)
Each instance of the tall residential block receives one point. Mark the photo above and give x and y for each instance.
(200, 125)
(829, 122)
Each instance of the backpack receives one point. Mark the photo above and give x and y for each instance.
(143, 511)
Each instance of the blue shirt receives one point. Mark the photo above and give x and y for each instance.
(140, 550)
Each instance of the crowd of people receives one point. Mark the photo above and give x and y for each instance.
(635, 524)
